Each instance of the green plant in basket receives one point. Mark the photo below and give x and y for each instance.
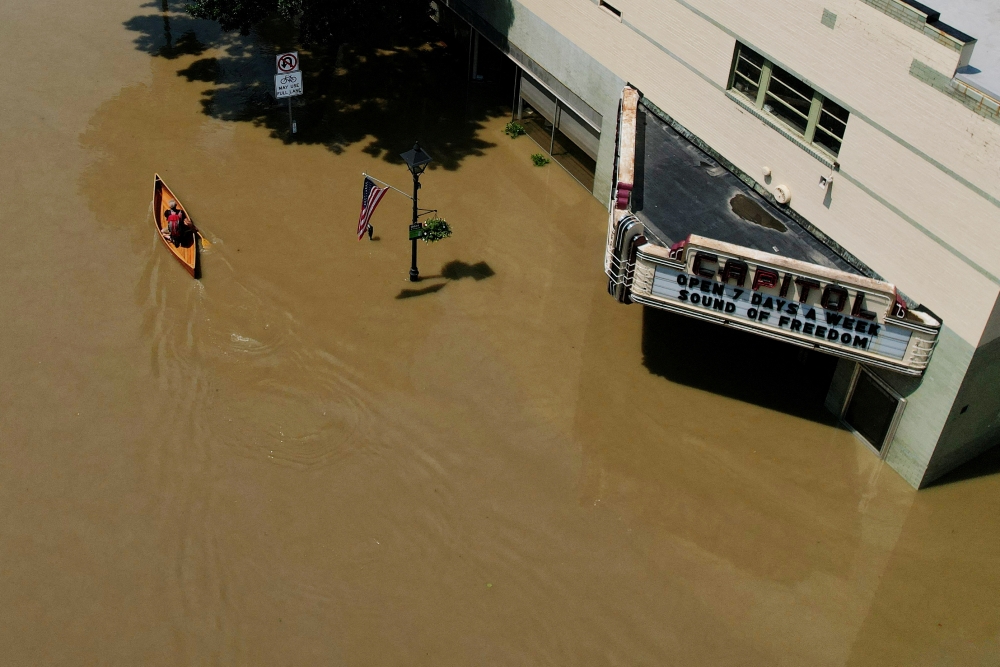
(513, 130)
(435, 229)
(539, 159)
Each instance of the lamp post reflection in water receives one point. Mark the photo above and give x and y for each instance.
(416, 160)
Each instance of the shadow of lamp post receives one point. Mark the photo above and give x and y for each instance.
(416, 160)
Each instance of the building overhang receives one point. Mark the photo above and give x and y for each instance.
(804, 304)
(688, 235)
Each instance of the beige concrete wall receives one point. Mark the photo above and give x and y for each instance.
(972, 431)
(918, 195)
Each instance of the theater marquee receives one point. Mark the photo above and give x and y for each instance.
(837, 312)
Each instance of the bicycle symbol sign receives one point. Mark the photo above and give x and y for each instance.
(287, 85)
(287, 62)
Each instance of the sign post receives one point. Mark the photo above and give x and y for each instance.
(288, 81)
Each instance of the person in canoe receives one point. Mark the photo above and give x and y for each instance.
(178, 226)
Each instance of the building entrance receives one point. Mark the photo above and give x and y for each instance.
(873, 409)
(738, 364)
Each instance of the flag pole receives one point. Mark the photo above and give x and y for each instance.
(386, 185)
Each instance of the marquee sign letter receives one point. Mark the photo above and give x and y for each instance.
(699, 270)
(834, 298)
(859, 308)
(736, 269)
(805, 285)
(764, 278)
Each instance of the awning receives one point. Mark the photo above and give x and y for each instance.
(691, 235)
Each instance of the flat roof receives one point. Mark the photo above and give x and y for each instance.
(680, 190)
(979, 19)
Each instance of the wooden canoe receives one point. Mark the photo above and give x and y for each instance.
(187, 252)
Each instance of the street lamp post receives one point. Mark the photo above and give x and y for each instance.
(416, 160)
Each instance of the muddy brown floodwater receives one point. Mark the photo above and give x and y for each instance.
(303, 459)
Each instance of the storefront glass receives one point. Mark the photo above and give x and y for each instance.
(564, 135)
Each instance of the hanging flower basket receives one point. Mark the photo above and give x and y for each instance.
(435, 229)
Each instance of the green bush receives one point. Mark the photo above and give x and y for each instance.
(513, 130)
(435, 229)
(539, 159)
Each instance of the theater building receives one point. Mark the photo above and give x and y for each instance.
(825, 173)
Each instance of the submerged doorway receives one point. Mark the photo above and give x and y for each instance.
(770, 373)
(872, 410)
(738, 364)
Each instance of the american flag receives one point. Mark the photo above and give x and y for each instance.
(370, 198)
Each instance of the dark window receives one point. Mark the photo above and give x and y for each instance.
(747, 73)
(872, 410)
(788, 99)
(830, 126)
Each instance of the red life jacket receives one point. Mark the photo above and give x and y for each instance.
(174, 222)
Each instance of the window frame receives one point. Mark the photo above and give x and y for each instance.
(780, 99)
(816, 103)
(821, 128)
(880, 450)
(764, 76)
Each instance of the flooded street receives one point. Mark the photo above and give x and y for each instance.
(303, 458)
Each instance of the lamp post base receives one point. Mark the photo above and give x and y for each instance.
(414, 272)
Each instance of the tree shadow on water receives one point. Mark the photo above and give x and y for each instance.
(456, 270)
(381, 95)
(741, 365)
(453, 270)
(170, 35)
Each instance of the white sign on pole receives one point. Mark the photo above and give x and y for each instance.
(287, 85)
(287, 62)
